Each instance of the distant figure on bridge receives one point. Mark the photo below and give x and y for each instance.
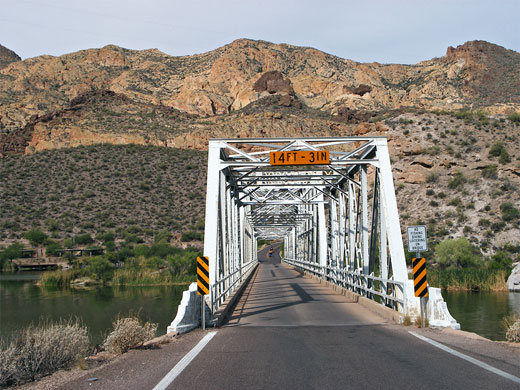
(271, 252)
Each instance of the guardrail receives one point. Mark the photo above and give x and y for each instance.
(364, 285)
(225, 286)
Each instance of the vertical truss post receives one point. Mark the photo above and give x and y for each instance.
(352, 217)
(364, 219)
(322, 236)
(383, 259)
(393, 227)
(212, 207)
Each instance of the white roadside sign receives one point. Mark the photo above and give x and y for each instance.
(417, 241)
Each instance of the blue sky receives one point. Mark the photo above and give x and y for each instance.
(391, 31)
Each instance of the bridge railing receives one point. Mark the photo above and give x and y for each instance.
(390, 292)
(224, 287)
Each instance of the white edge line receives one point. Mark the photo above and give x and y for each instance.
(467, 358)
(183, 363)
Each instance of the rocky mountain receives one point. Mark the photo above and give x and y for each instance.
(7, 57)
(452, 122)
(477, 75)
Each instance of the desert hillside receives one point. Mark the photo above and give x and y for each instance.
(452, 122)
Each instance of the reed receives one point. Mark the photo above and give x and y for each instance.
(468, 279)
(58, 278)
(148, 277)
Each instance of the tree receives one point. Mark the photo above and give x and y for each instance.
(53, 249)
(35, 236)
(501, 260)
(13, 251)
(457, 253)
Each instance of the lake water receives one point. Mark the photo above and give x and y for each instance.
(483, 312)
(22, 302)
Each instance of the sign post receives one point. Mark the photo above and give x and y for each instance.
(202, 286)
(417, 242)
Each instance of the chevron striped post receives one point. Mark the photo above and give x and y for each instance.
(202, 285)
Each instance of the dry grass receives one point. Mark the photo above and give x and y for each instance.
(41, 350)
(512, 325)
(128, 332)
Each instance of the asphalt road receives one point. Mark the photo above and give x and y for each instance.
(290, 332)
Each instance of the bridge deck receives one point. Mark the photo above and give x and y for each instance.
(280, 296)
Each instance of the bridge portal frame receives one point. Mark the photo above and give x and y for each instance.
(339, 221)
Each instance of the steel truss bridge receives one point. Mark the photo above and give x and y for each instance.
(337, 221)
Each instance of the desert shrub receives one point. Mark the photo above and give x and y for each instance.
(509, 211)
(128, 332)
(35, 236)
(484, 222)
(490, 172)
(41, 350)
(110, 246)
(497, 149)
(84, 239)
(163, 235)
(514, 117)
(512, 325)
(504, 157)
(457, 181)
(192, 236)
(457, 253)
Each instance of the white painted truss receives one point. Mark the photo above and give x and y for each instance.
(338, 221)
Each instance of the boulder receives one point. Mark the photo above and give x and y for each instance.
(513, 282)
(273, 82)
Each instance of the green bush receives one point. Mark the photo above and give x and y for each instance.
(13, 251)
(84, 239)
(504, 157)
(457, 253)
(509, 211)
(100, 267)
(53, 249)
(191, 236)
(501, 260)
(514, 117)
(497, 149)
(457, 181)
(35, 236)
(490, 172)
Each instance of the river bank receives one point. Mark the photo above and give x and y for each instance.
(24, 302)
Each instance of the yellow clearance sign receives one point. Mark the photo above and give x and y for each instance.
(300, 157)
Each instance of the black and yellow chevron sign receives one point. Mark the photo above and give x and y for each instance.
(419, 277)
(202, 275)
